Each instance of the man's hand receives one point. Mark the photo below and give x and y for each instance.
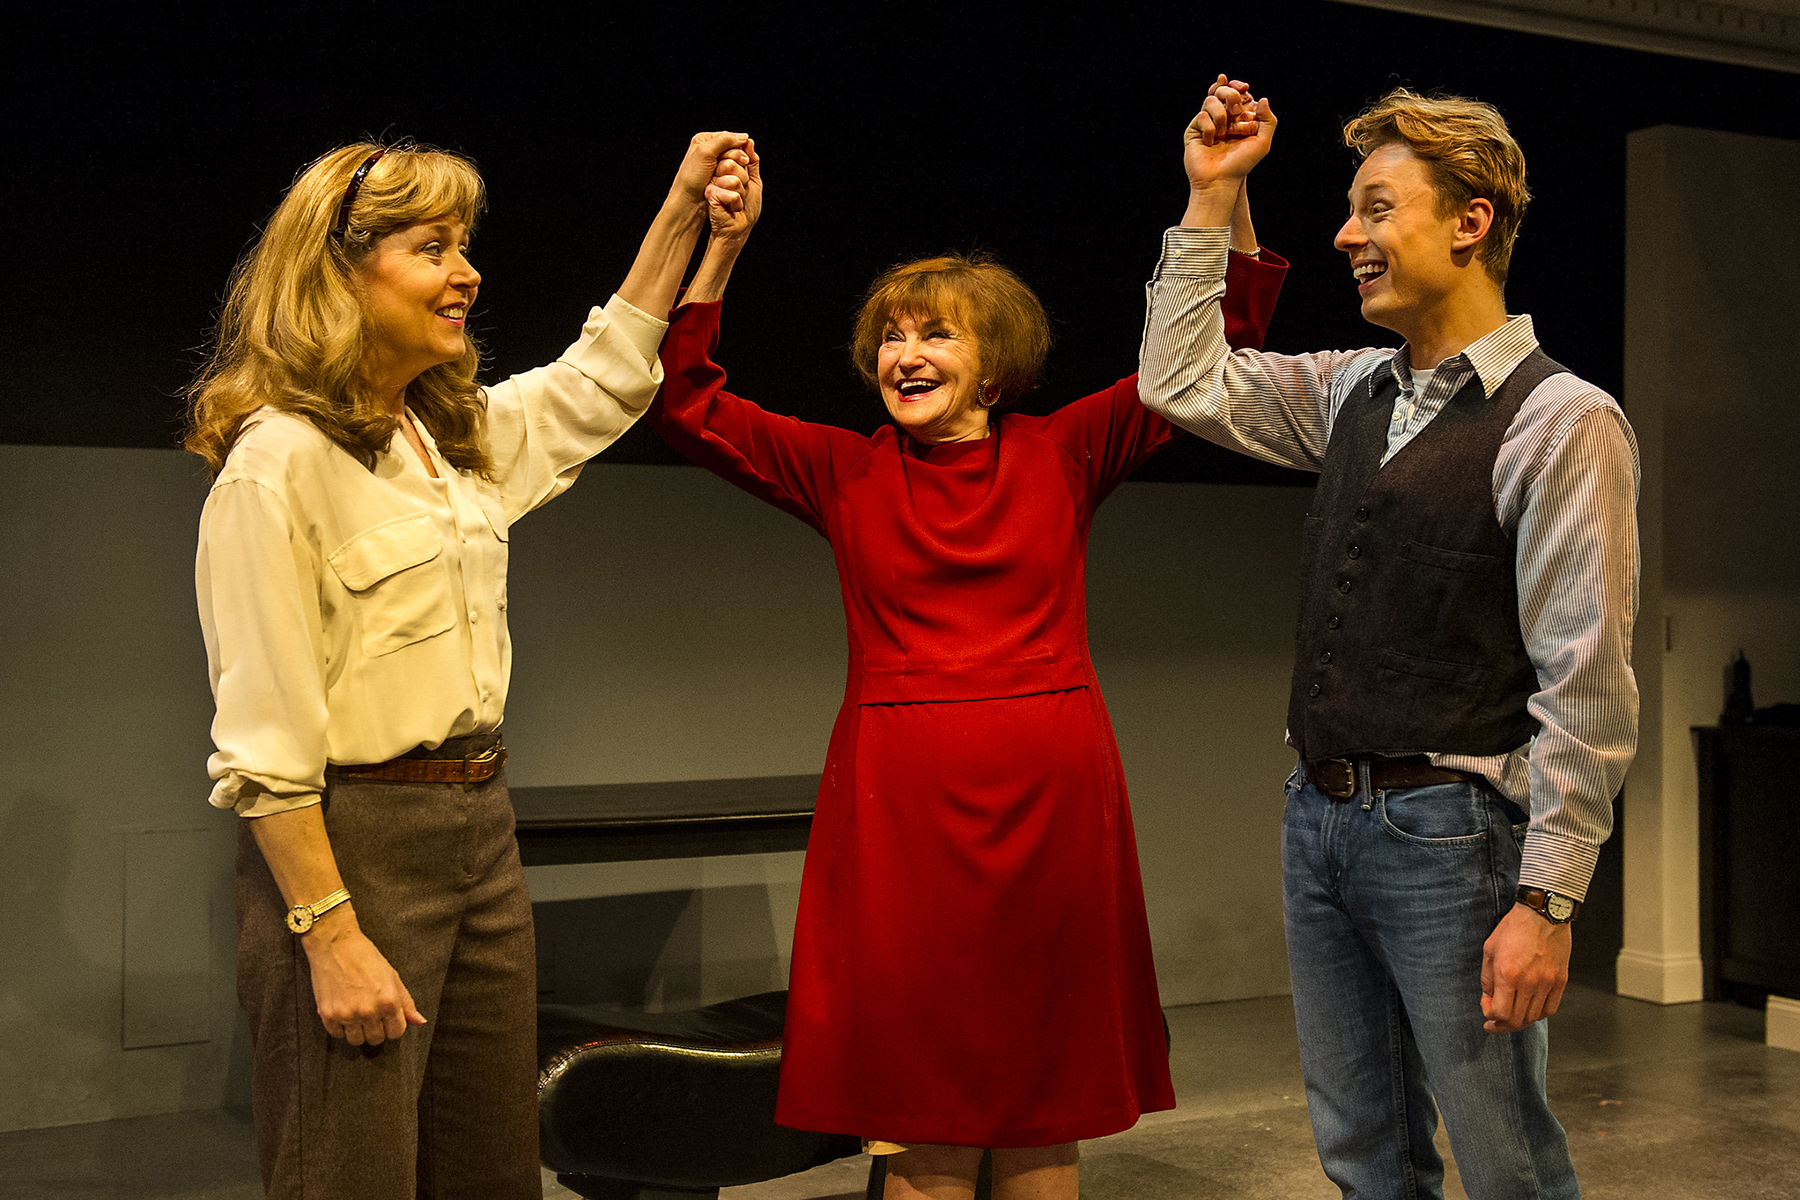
(359, 995)
(734, 195)
(1524, 968)
(695, 174)
(1221, 145)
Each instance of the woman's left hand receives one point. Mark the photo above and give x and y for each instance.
(734, 195)
(695, 174)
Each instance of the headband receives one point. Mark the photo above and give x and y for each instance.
(356, 182)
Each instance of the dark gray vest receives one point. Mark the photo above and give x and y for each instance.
(1409, 614)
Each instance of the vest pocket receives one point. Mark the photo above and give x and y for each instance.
(1439, 641)
(1452, 560)
(1465, 674)
(395, 571)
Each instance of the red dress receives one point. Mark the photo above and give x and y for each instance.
(971, 961)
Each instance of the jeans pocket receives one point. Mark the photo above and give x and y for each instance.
(1445, 815)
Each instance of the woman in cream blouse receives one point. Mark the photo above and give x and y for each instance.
(351, 578)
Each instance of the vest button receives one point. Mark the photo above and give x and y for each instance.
(1355, 551)
(1344, 586)
(1325, 657)
(1333, 622)
(1362, 514)
(1314, 690)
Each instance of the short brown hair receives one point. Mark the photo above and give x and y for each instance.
(1469, 152)
(1012, 334)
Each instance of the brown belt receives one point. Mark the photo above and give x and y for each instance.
(476, 768)
(1337, 777)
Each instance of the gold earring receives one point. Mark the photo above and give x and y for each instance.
(982, 396)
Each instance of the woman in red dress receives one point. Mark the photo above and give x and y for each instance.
(971, 961)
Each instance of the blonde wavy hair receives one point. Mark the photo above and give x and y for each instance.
(1469, 152)
(292, 332)
(1012, 334)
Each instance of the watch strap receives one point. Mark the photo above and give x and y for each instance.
(300, 918)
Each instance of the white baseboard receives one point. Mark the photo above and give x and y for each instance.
(1782, 1027)
(1660, 978)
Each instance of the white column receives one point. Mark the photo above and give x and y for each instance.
(1660, 960)
(1712, 256)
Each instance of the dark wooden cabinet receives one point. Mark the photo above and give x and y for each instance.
(1749, 854)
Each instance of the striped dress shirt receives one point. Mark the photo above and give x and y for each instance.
(1565, 487)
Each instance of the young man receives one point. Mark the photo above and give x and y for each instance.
(1462, 703)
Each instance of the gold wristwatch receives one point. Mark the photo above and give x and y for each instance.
(1554, 907)
(300, 918)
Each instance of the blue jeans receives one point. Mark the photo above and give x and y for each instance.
(1388, 897)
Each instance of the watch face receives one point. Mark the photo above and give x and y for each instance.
(300, 918)
(1560, 908)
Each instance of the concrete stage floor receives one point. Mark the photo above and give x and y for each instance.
(1679, 1103)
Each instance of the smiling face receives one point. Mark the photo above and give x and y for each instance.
(929, 371)
(417, 286)
(1406, 254)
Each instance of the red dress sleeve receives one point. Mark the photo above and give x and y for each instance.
(790, 463)
(1111, 434)
(1252, 286)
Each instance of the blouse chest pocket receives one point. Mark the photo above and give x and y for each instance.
(396, 572)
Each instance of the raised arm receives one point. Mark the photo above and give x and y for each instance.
(1220, 147)
(662, 260)
(544, 424)
(1111, 433)
(1273, 407)
(734, 201)
(789, 463)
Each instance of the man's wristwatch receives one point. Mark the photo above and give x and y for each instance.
(300, 918)
(1554, 907)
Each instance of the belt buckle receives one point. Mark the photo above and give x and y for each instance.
(470, 764)
(1345, 790)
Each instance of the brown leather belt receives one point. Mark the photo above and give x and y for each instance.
(475, 768)
(1337, 777)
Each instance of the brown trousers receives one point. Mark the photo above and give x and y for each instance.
(448, 1110)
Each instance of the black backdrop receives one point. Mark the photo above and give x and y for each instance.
(148, 146)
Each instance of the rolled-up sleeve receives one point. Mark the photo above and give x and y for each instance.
(544, 424)
(257, 586)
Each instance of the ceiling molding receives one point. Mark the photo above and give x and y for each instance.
(1766, 36)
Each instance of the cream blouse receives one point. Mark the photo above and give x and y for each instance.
(351, 615)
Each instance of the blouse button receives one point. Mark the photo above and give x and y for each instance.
(1314, 690)
(1344, 586)
(1325, 657)
(1355, 551)
(1333, 622)
(1362, 514)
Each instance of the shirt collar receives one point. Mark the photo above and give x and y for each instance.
(1493, 357)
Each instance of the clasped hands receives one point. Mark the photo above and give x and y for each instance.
(722, 175)
(1226, 139)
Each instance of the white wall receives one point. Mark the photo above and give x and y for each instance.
(1712, 306)
(666, 627)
